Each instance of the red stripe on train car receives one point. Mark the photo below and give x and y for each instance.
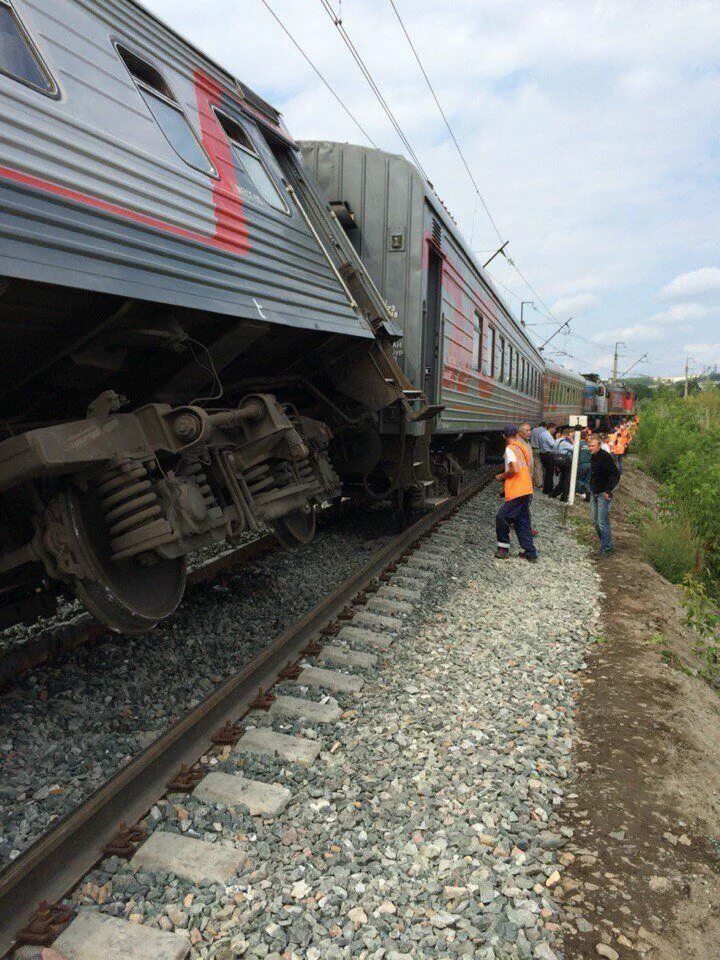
(231, 232)
(56, 189)
(231, 229)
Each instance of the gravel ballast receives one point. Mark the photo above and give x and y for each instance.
(65, 728)
(428, 826)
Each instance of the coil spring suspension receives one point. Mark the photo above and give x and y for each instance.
(195, 470)
(132, 511)
(306, 474)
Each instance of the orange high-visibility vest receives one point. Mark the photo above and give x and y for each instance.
(519, 484)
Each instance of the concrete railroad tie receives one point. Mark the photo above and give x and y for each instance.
(330, 680)
(396, 608)
(186, 857)
(416, 573)
(368, 638)
(95, 936)
(425, 560)
(393, 592)
(343, 657)
(297, 708)
(267, 743)
(376, 621)
(233, 790)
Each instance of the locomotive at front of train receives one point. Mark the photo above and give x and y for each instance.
(460, 343)
(190, 352)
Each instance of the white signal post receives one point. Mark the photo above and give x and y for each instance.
(575, 422)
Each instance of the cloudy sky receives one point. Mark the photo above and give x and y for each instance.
(591, 129)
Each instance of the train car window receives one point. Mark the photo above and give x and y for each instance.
(19, 57)
(487, 350)
(168, 114)
(477, 342)
(502, 359)
(510, 367)
(251, 168)
(492, 352)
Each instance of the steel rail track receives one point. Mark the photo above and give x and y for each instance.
(53, 866)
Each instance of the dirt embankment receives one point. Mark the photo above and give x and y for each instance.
(646, 812)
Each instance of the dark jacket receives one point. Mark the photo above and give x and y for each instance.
(604, 475)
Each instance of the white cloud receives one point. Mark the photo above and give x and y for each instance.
(696, 283)
(640, 333)
(704, 353)
(573, 305)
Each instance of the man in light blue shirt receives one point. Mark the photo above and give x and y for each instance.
(546, 452)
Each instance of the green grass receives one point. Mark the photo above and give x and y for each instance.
(583, 529)
(671, 548)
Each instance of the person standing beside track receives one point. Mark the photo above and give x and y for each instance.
(537, 471)
(546, 450)
(524, 434)
(563, 461)
(518, 494)
(604, 477)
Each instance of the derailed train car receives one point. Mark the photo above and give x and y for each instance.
(190, 348)
(461, 343)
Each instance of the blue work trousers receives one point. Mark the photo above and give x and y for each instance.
(600, 508)
(516, 513)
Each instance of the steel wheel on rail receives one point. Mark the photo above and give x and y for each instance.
(128, 596)
(295, 529)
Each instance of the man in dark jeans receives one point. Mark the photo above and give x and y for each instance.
(604, 477)
(546, 451)
(563, 461)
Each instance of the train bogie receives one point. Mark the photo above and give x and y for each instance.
(188, 353)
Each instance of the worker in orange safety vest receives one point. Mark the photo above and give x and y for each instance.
(515, 511)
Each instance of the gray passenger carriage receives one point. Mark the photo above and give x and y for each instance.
(187, 352)
(564, 394)
(460, 341)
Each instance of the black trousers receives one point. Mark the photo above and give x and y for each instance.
(548, 462)
(563, 485)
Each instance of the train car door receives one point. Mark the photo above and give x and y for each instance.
(432, 327)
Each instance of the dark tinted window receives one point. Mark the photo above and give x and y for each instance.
(18, 57)
(167, 112)
(258, 182)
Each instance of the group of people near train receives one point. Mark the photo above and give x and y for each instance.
(541, 457)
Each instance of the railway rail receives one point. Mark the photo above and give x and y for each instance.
(50, 869)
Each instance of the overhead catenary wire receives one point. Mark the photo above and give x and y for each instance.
(355, 54)
(336, 19)
(329, 86)
(446, 121)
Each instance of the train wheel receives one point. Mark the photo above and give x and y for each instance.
(295, 529)
(126, 595)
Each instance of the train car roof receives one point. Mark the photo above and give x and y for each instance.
(564, 372)
(450, 225)
(256, 105)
